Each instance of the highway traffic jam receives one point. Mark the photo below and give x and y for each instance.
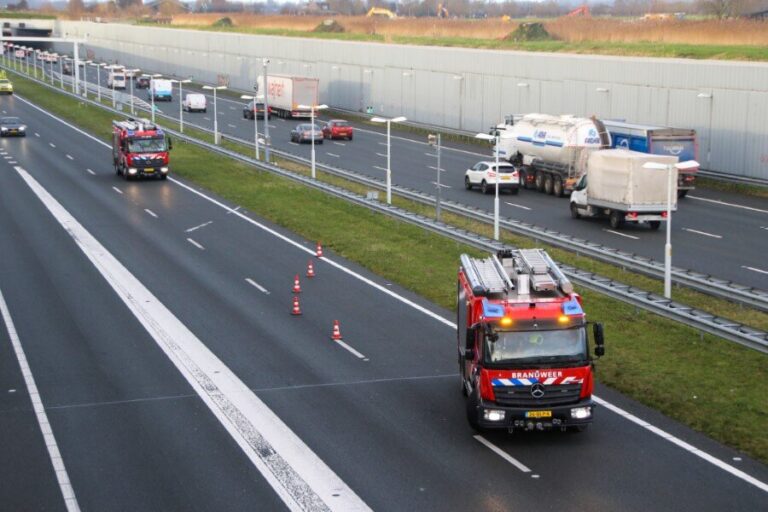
(342, 404)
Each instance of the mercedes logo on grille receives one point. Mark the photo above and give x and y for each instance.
(537, 390)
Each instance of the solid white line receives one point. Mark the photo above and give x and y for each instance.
(117, 190)
(298, 476)
(37, 405)
(257, 285)
(70, 157)
(702, 233)
(355, 352)
(195, 244)
(753, 269)
(504, 455)
(90, 171)
(622, 234)
(150, 212)
(334, 155)
(448, 323)
(717, 201)
(52, 144)
(518, 206)
(685, 446)
(200, 226)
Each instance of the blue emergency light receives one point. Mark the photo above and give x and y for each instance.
(572, 307)
(492, 310)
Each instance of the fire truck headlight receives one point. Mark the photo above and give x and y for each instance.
(164, 170)
(132, 171)
(493, 415)
(581, 413)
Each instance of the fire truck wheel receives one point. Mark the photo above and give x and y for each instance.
(577, 429)
(163, 176)
(472, 411)
(549, 185)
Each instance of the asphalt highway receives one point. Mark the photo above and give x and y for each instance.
(155, 321)
(718, 233)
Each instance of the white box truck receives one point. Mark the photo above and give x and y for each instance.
(626, 186)
(116, 79)
(285, 93)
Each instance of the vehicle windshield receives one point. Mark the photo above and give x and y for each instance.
(153, 145)
(4, 81)
(537, 347)
(11, 120)
(308, 127)
(342, 124)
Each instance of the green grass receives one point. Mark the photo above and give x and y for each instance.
(640, 49)
(714, 386)
(739, 188)
(26, 15)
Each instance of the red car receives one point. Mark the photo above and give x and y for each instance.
(337, 129)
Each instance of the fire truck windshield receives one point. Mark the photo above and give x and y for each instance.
(537, 347)
(150, 145)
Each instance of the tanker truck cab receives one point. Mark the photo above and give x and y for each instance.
(523, 347)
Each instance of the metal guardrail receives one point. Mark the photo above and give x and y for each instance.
(731, 178)
(697, 319)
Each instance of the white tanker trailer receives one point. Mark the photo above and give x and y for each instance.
(551, 151)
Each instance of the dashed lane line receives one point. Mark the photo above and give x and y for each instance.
(351, 350)
(52, 144)
(622, 234)
(753, 269)
(70, 157)
(501, 453)
(199, 226)
(117, 190)
(195, 244)
(334, 155)
(703, 233)
(256, 285)
(90, 171)
(150, 212)
(518, 206)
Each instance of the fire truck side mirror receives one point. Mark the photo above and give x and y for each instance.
(597, 331)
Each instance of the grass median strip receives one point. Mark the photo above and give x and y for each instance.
(714, 386)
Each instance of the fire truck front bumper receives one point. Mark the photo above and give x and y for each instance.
(492, 416)
(148, 171)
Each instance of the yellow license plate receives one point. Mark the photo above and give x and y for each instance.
(149, 171)
(505, 178)
(538, 414)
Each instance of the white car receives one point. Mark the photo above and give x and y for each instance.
(483, 175)
(194, 102)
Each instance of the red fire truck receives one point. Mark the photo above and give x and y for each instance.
(140, 148)
(522, 344)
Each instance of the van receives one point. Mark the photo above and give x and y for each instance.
(195, 102)
(116, 80)
(160, 90)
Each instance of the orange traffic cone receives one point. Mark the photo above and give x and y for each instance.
(296, 309)
(296, 285)
(336, 336)
(310, 269)
(319, 251)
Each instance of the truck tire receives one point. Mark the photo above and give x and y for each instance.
(539, 181)
(484, 188)
(472, 411)
(557, 188)
(681, 194)
(575, 211)
(655, 224)
(467, 183)
(616, 219)
(549, 184)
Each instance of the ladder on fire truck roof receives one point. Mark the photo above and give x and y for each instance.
(138, 125)
(488, 274)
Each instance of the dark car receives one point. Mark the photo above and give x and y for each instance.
(12, 126)
(142, 82)
(305, 133)
(66, 69)
(249, 109)
(337, 129)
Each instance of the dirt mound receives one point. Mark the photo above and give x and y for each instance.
(529, 32)
(329, 26)
(223, 22)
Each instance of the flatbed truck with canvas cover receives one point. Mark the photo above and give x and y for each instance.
(523, 348)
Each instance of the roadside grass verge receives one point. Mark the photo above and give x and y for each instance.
(714, 386)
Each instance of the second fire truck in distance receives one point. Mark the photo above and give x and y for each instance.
(524, 355)
(140, 148)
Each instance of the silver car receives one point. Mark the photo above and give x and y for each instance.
(305, 132)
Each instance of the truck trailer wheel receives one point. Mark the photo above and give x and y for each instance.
(539, 181)
(557, 188)
(549, 184)
(616, 219)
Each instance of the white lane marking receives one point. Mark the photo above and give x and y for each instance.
(150, 212)
(431, 154)
(256, 285)
(207, 118)
(434, 168)
(764, 227)
(384, 155)
(383, 144)
(352, 350)
(301, 479)
(380, 168)
(117, 190)
(440, 185)
(195, 244)
(70, 157)
(334, 155)
(52, 144)
(504, 455)
(339, 143)
(200, 226)
(448, 323)
(37, 134)
(273, 126)
(621, 234)
(293, 143)
(90, 171)
(12, 162)
(702, 233)
(753, 269)
(717, 201)
(37, 405)
(232, 108)
(682, 444)
(7, 157)
(232, 125)
(518, 206)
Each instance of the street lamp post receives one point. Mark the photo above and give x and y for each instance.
(710, 97)
(434, 140)
(312, 109)
(85, 77)
(389, 122)
(152, 91)
(53, 78)
(256, 120)
(98, 66)
(496, 140)
(216, 137)
(181, 102)
(265, 63)
(133, 78)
